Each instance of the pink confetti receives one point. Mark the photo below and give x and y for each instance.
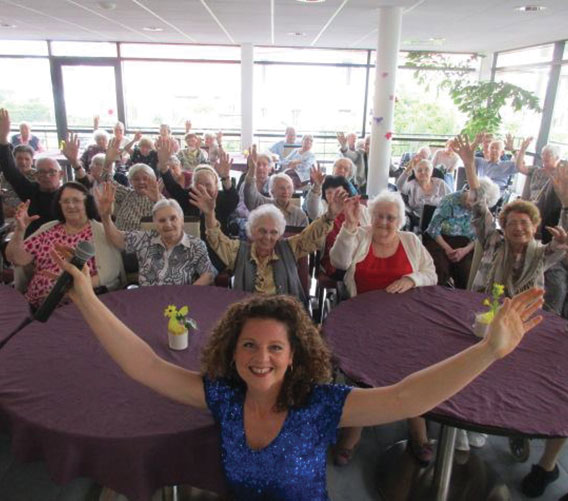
(385, 74)
(388, 135)
(391, 97)
(111, 112)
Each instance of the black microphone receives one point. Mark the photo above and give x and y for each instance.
(83, 252)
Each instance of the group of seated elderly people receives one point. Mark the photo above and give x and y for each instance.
(363, 244)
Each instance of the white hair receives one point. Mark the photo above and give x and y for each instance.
(167, 202)
(426, 149)
(489, 191)
(204, 168)
(275, 177)
(100, 133)
(136, 168)
(45, 159)
(500, 142)
(390, 197)
(552, 150)
(346, 160)
(98, 159)
(266, 210)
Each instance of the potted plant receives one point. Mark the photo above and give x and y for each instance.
(179, 326)
(483, 319)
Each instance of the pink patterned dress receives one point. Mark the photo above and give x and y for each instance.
(39, 247)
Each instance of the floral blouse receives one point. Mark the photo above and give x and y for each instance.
(452, 218)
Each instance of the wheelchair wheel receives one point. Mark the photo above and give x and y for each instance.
(520, 448)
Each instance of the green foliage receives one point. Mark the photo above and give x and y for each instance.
(480, 101)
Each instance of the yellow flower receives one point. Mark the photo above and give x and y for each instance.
(486, 318)
(498, 289)
(486, 302)
(170, 311)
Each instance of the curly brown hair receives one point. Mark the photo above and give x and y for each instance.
(522, 206)
(312, 358)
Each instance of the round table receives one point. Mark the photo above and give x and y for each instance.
(379, 338)
(66, 402)
(14, 310)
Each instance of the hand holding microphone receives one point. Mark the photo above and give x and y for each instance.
(83, 252)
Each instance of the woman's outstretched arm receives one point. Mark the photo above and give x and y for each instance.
(424, 390)
(132, 354)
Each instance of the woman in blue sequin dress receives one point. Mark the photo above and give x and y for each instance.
(264, 379)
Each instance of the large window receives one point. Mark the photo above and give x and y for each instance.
(559, 129)
(209, 94)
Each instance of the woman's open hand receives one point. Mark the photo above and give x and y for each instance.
(104, 196)
(513, 320)
(22, 218)
(199, 197)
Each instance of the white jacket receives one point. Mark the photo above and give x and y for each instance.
(352, 247)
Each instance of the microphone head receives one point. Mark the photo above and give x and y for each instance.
(84, 251)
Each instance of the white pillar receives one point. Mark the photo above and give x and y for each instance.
(390, 19)
(485, 67)
(247, 78)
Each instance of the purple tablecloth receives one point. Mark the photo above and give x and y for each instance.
(14, 309)
(68, 403)
(380, 338)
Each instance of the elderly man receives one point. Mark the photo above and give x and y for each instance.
(281, 188)
(498, 171)
(358, 153)
(25, 137)
(40, 193)
(288, 145)
(24, 156)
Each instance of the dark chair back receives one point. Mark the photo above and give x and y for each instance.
(303, 263)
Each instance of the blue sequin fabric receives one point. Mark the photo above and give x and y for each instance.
(292, 466)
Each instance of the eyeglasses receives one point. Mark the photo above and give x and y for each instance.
(48, 173)
(388, 217)
(263, 232)
(72, 201)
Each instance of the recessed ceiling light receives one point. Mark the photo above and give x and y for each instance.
(296, 34)
(7, 25)
(152, 28)
(310, 1)
(106, 5)
(531, 8)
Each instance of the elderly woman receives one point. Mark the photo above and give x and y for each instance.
(264, 378)
(268, 263)
(212, 147)
(75, 212)
(166, 255)
(166, 135)
(100, 137)
(452, 236)
(143, 153)
(423, 189)
(192, 155)
(132, 204)
(380, 256)
(281, 188)
(298, 163)
(447, 160)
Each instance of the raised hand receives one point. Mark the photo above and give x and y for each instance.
(560, 182)
(112, 152)
(71, 148)
(525, 143)
(4, 126)
(96, 121)
(137, 136)
(560, 237)
(513, 320)
(22, 218)
(317, 175)
(199, 197)
(251, 161)
(337, 203)
(341, 138)
(401, 285)
(352, 211)
(165, 148)
(464, 149)
(219, 137)
(223, 164)
(509, 142)
(152, 190)
(104, 196)
(187, 126)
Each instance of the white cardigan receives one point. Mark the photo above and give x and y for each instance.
(352, 247)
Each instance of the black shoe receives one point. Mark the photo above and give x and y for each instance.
(537, 480)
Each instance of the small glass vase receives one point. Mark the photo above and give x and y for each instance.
(178, 341)
(480, 328)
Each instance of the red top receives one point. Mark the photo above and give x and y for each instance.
(379, 272)
(329, 241)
